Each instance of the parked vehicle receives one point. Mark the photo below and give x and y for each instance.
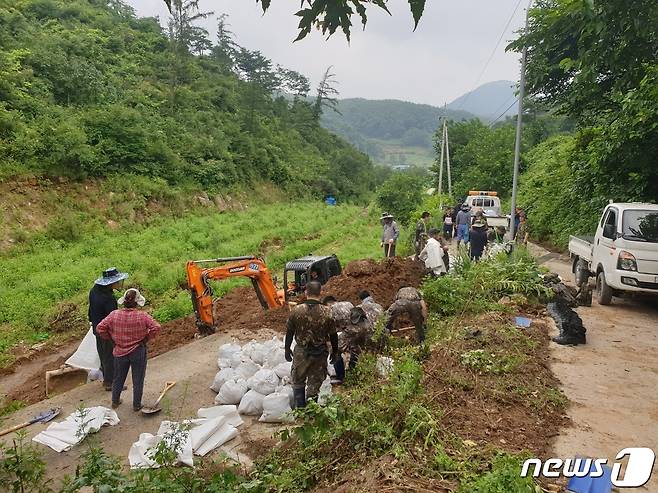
(623, 254)
(488, 201)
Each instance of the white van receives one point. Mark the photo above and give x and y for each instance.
(486, 200)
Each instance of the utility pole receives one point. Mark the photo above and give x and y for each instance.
(519, 122)
(443, 142)
(448, 160)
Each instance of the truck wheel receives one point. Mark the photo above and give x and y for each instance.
(603, 291)
(581, 272)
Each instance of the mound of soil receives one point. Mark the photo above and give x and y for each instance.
(381, 279)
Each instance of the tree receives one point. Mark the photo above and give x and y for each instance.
(326, 94)
(596, 62)
(400, 195)
(256, 70)
(293, 82)
(186, 37)
(226, 49)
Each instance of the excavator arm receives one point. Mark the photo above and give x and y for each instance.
(252, 267)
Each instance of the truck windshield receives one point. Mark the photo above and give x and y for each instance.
(640, 225)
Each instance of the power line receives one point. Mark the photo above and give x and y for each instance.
(516, 100)
(495, 112)
(493, 52)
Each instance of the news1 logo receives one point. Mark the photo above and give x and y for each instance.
(639, 467)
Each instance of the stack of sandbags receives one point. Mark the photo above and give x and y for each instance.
(250, 374)
(214, 427)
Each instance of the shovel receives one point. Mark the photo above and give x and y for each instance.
(155, 408)
(44, 417)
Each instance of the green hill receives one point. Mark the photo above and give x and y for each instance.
(391, 132)
(87, 89)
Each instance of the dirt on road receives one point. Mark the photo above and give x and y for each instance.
(612, 380)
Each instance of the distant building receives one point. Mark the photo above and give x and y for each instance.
(400, 167)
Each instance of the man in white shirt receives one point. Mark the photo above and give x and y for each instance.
(432, 254)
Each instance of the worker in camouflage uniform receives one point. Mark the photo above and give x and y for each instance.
(312, 327)
(408, 301)
(373, 309)
(352, 339)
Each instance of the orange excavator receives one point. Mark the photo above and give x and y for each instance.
(301, 270)
(252, 267)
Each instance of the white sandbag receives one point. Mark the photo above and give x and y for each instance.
(229, 355)
(248, 348)
(221, 378)
(141, 452)
(246, 368)
(274, 343)
(384, 366)
(231, 392)
(227, 350)
(282, 370)
(275, 357)
(86, 356)
(264, 381)
(259, 353)
(276, 409)
(325, 391)
(251, 404)
(286, 389)
(229, 412)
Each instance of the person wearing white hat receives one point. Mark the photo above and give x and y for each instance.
(129, 329)
(101, 303)
(390, 234)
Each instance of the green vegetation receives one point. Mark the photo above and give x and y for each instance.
(391, 132)
(89, 90)
(33, 294)
(478, 286)
(400, 195)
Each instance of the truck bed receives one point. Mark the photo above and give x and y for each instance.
(581, 246)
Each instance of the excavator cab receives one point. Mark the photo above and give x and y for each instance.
(310, 268)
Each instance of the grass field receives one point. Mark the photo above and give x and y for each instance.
(44, 286)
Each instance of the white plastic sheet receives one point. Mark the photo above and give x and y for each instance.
(231, 392)
(264, 381)
(141, 452)
(65, 434)
(276, 409)
(86, 356)
(251, 404)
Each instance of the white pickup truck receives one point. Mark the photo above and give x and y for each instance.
(622, 255)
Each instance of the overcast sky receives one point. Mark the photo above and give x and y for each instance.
(439, 62)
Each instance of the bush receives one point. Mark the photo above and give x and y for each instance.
(400, 195)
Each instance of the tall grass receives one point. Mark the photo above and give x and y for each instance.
(37, 280)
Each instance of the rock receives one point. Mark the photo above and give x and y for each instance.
(204, 200)
(113, 225)
(220, 203)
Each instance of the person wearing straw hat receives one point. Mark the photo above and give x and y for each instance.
(129, 329)
(390, 234)
(101, 303)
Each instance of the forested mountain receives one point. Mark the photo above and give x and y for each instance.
(390, 131)
(87, 89)
(489, 100)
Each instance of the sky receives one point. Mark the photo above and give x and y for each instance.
(443, 59)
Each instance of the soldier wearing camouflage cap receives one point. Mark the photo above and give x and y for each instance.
(312, 327)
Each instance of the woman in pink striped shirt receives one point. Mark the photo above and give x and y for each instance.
(129, 329)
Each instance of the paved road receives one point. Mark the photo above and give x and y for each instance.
(612, 381)
(193, 367)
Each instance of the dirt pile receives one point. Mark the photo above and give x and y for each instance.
(381, 279)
